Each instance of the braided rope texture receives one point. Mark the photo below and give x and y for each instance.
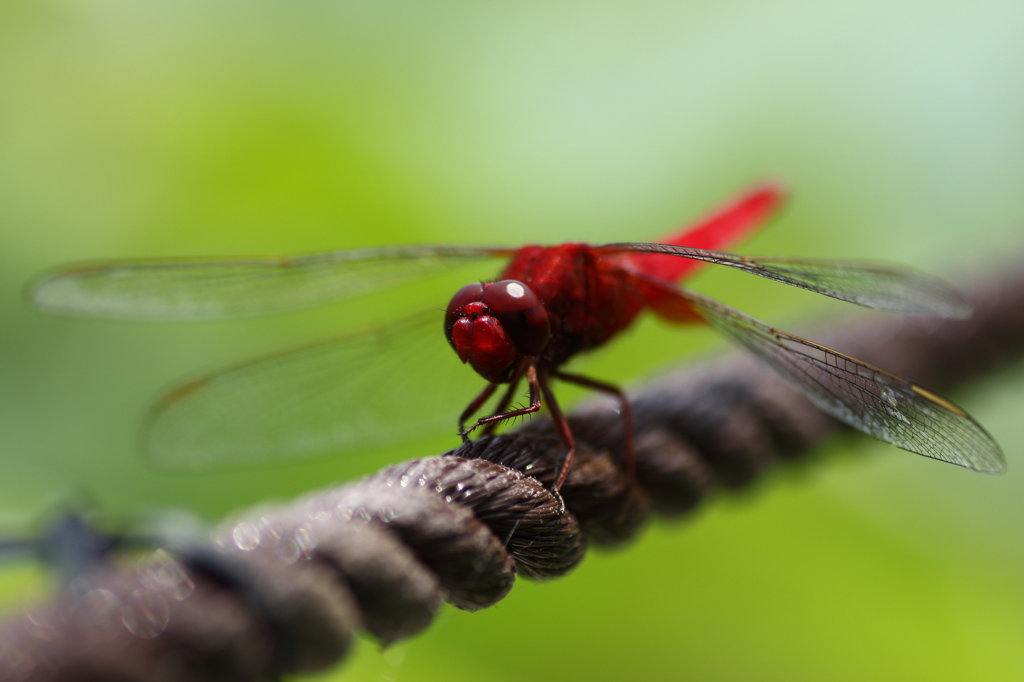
(281, 590)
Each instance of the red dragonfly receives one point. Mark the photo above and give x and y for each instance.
(548, 304)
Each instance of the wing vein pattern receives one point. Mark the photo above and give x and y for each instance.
(884, 405)
(881, 286)
(218, 288)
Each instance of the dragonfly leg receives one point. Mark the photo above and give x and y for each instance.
(563, 429)
(624, 410)
(534, 406)
(473, 406)
(503, 405)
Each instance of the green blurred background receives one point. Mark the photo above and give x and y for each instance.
(169, 129)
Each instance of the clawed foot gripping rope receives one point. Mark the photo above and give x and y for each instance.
(282, 590)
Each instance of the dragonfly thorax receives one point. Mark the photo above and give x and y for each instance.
(493, 325)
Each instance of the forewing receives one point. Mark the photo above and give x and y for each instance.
(873, 285)
(355, 394)
(206, 288)
(865, 397)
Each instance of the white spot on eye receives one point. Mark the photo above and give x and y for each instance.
(515, 290)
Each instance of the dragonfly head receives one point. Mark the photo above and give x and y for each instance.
(492, 325)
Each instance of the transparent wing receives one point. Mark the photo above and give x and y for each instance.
(873, 285)
(865, 397)
(355, 394)
(205, 288)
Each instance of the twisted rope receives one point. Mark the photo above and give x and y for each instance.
(281, 590)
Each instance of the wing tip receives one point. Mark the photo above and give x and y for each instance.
(38, 289)
(950, 303)
(958, 308)
(59, 290)
(995, 461)
(994, 464)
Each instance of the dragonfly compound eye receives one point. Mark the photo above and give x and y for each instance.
(522, 315)
(471, 293)
(478, 336)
